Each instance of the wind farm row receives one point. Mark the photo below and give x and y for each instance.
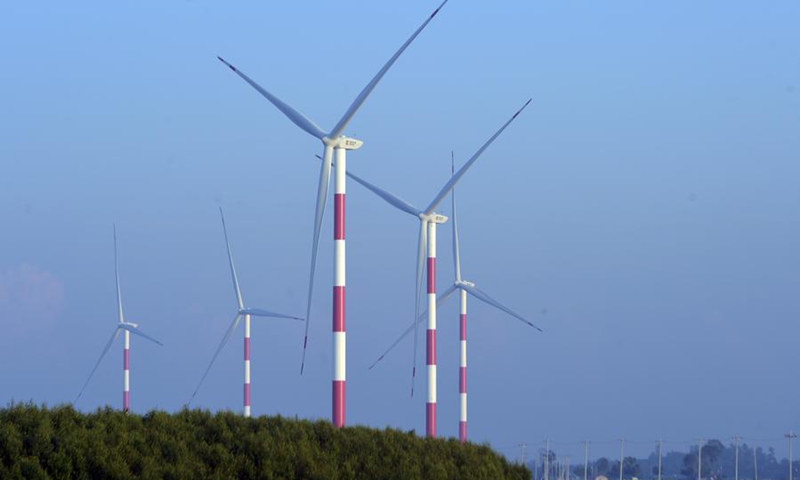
(333, 162)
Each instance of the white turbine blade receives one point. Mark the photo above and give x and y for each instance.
(258, 312)
(120, 317)
(105, 350)
(482, 296)
(393, 200)
(136, 331)
(222, 344)
(230, 261)
(422, 248)
(423, 316)
(456, 250)
(362, 97)
(322, 198)
(296, 117)
(455, 178)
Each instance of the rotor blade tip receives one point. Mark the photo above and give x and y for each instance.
(438, 8)
(226, 63)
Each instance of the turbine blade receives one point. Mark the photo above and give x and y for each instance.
(393, 200)
(120, 317)
(257, 312)
(456, 250)
(296, 117)
(105, 350)
(136, 331)
(484, 297)
(439, 301)
(230, 261)
(322, 198)
(222, 344)
(422, 248)
(461, 171)
(362, 97)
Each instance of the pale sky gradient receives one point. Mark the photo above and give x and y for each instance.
(647, 201)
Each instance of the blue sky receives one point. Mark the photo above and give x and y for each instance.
(643, 210)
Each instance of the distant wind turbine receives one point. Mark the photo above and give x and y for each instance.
(464, 287)
(242, 312)
(428, 219)
(335, 146)
(122, 326)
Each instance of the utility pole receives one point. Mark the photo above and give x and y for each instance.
(755, 460)
(791, 436)
(621, 455)
(522, 447)
(547, 460)
(586, 460)
(659, 459)
(737, 438)
(699, 459)
(566, 468)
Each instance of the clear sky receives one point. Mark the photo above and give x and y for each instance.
(644, 210)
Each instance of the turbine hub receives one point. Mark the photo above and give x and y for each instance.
(346, 143)
(434, 217)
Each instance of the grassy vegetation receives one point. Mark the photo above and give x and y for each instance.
(39, 442)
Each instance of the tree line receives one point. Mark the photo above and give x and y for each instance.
(37, 442)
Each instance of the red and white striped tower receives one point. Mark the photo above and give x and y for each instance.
(247, 365)
(126, 366)
(339, 325)
(462, 376)
(430, 413)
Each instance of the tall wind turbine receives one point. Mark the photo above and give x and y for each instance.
(242, 312)
(465, 288)
(128, 328)
(335, 145)
(428, 219)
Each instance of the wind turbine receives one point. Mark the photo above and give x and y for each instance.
(335, 145)
(128, 328)
(428, 219)
(242, 312)
(465, 288)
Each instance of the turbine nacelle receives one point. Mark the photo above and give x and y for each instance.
(341, 141)
(464, 283)
(433, 217)
(124, 323)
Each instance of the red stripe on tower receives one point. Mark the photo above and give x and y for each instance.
(431, 347)
(339, 322)
(430, 417)
(431, 274)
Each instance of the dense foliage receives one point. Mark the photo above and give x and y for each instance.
(38, 442)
